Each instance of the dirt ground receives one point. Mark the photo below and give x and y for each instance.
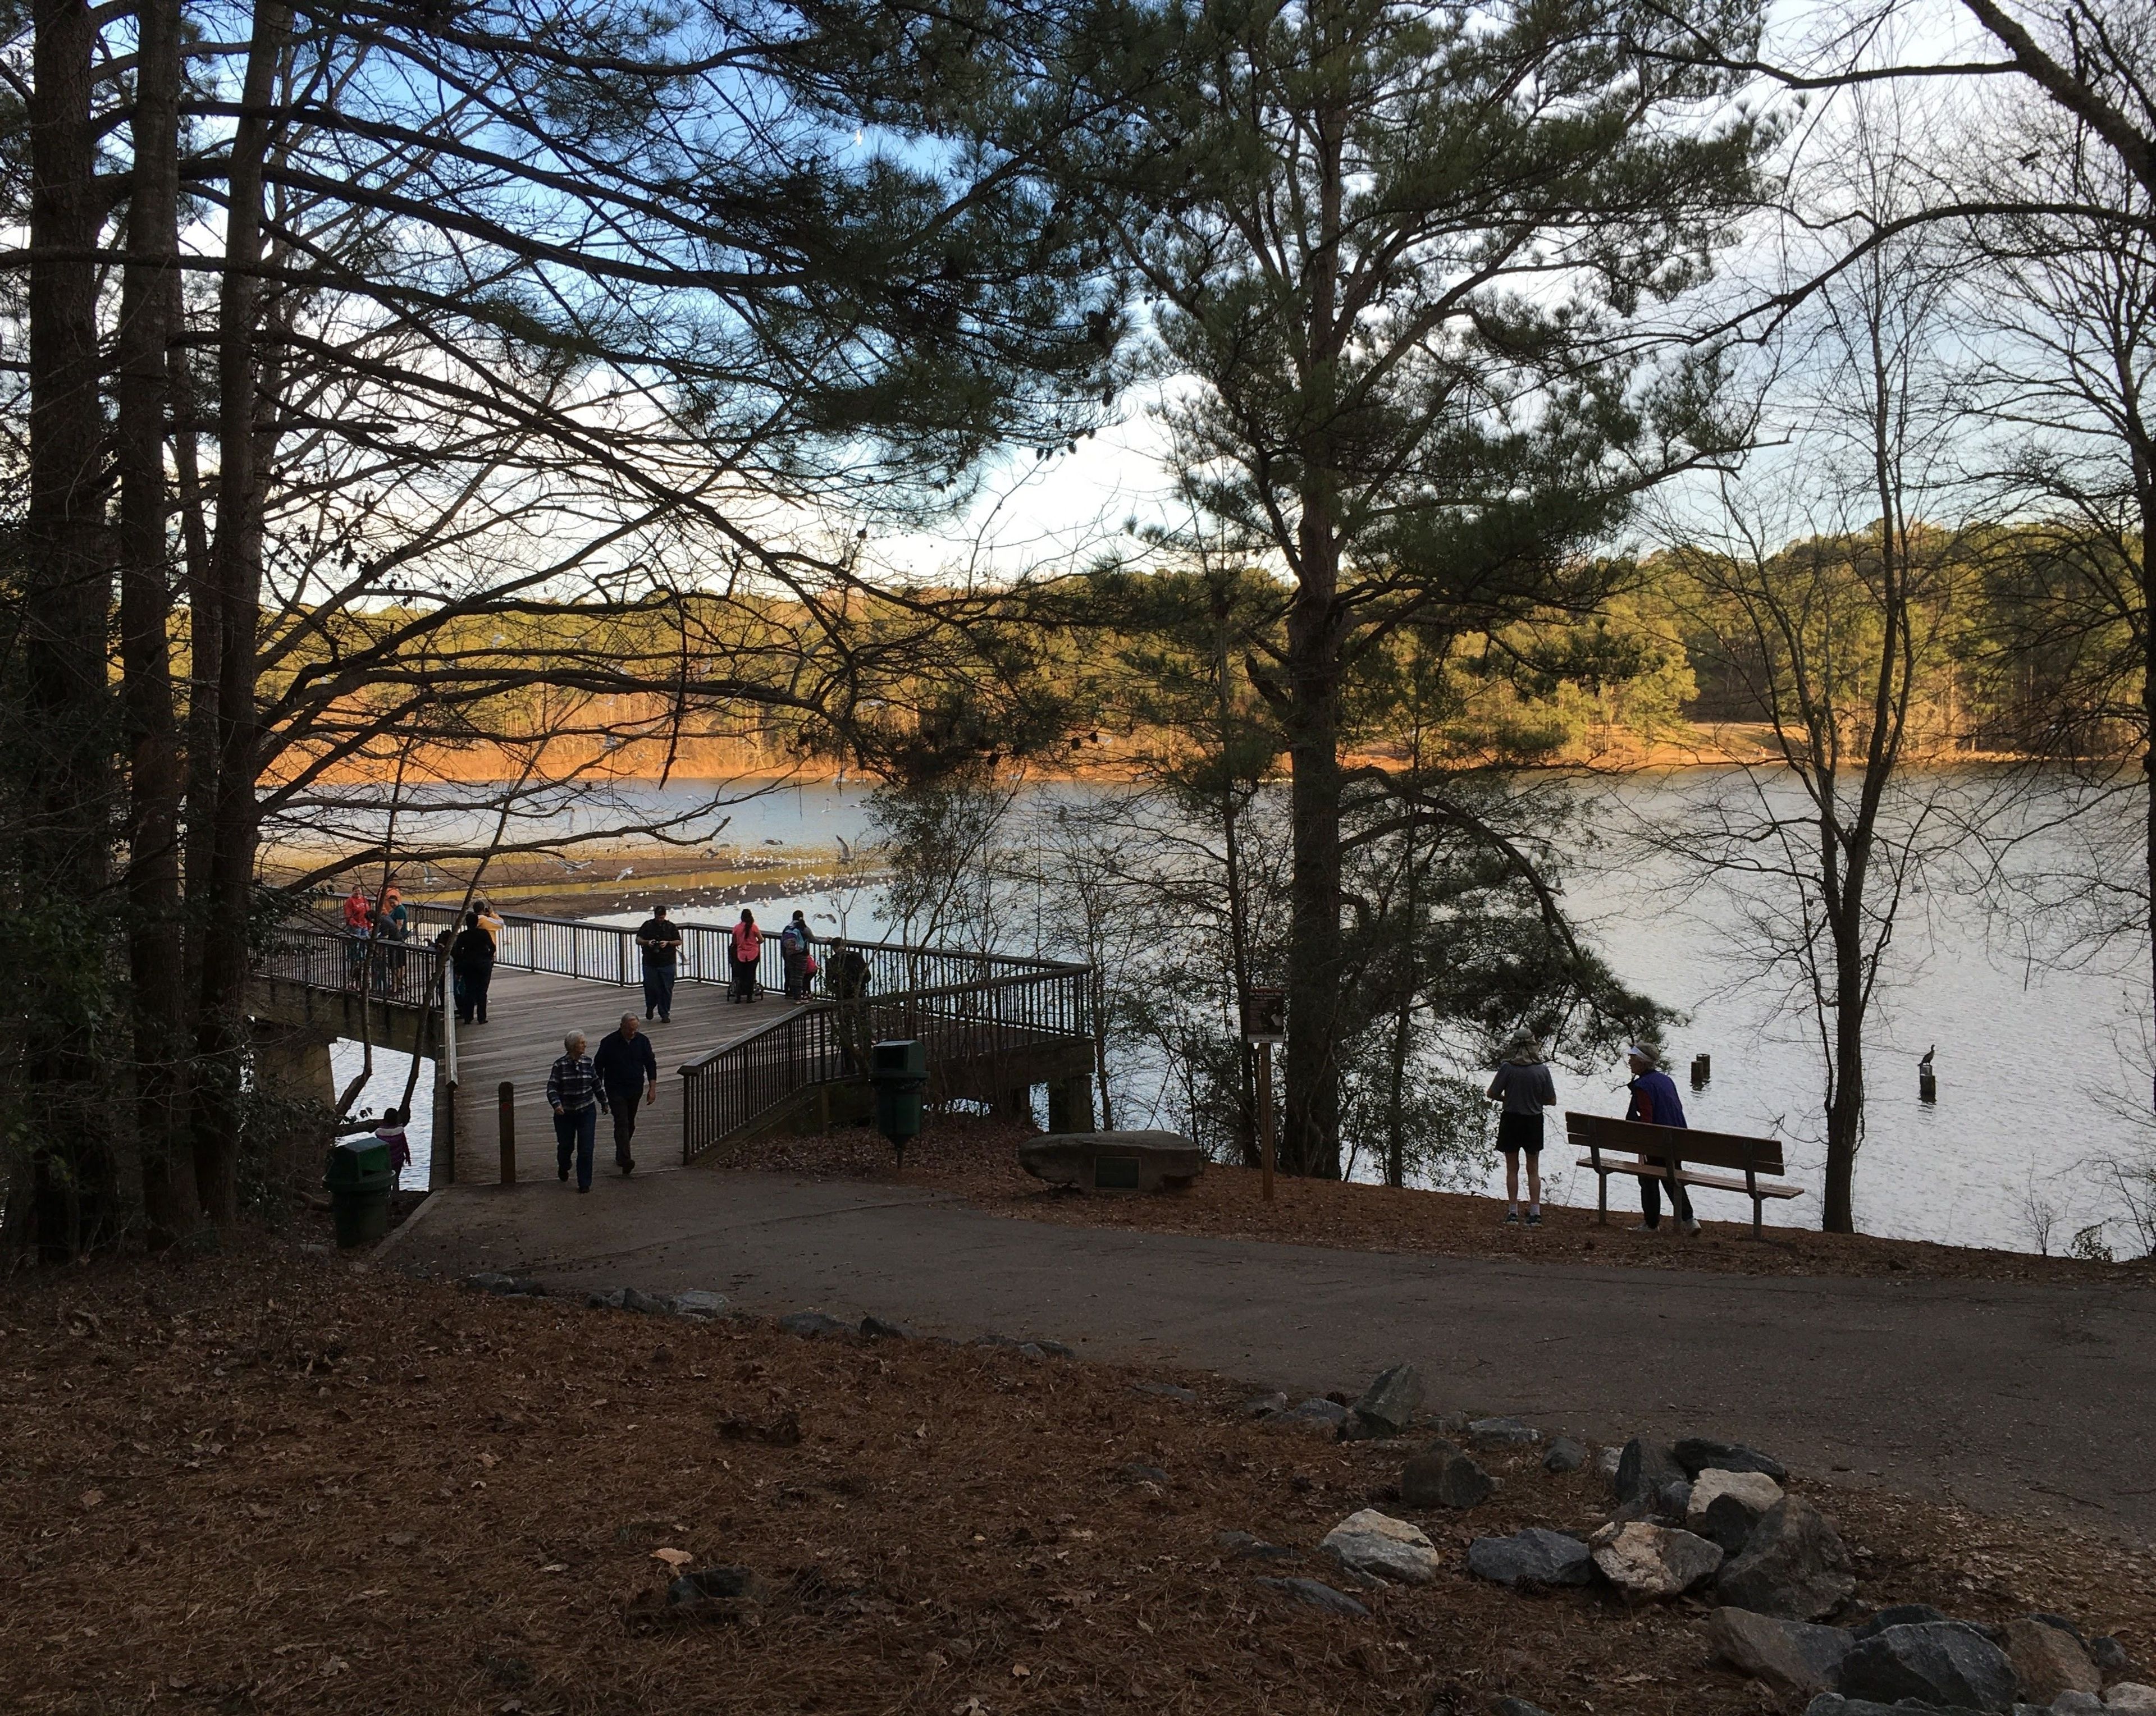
(270, 1483)
(978, 1159)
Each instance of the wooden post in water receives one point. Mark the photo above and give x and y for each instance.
(506, 1096)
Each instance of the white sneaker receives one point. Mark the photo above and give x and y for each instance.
(1690, 1226)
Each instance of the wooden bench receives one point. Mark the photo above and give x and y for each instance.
(1661, 1153)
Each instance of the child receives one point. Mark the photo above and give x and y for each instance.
(391, 1132)
(1524, 1086)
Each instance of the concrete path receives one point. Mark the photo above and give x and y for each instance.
(2008, 1397)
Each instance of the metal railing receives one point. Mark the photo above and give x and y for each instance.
(406, 971)
(731, 1088)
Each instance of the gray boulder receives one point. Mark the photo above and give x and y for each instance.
(2131, 1698)
(1167, 1391)
(2049, 1659)
(1698, 1453)
(1834, 1705)
(1794, 1566)
(505, 1286)
(1900, 1615)
(1503, 1433)
(878, 1328)
(1265, 1406)
(698, 1302)
(1316, 1414)
(1565, 1455)
(1937, 1661)
(1644, 1561)
(1310, 1592)
(1725, 1506)
(1113, 1161)
(1675, 1502)
(1532, 1557)
(1383, 1547)
(1388, 1405)
(2110, 1656)
(1646, 1468)
(2067, 1704)
(1440, 1476)
(1793, 1657)
(1517, 1707)
(1247, 1546)
(812, 1323)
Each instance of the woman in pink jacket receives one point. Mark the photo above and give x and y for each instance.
(746, 949)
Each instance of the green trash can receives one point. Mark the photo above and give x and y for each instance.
(898, 1073)
(358, 1179)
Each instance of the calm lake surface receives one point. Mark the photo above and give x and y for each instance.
(2039, 1071)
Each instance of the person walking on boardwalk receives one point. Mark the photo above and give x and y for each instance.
(1654, 1101)
(1524, 1088)
(575, 1094)
(745, 948)
(660, 943)
(793, 956)
(471, 969)
(628, 1074)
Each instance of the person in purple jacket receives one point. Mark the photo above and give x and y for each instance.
(1655, 1100)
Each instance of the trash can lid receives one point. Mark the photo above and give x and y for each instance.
(352, 1158)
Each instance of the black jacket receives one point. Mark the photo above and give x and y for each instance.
(625, 1067)
(472, 951)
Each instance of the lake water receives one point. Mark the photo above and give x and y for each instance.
(2038, 1070)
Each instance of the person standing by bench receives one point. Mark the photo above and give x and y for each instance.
(1654, 1101)
(1524, 1087)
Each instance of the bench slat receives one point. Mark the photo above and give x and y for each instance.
(1717, 1150)
(1684, 1176)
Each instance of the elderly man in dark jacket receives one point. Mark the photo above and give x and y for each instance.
(628, 1071)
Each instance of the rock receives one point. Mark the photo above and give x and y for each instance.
(2109, 1655)
(1517, 1707)
(1793, 1657)
(2050, 1660)
(1321, 1414)
(1388, 1406)
(1793, 1566)
(1724, 1506)
(1834, 1705)
(1386, 1548)
(1698, 1454)
(1608, 1463)
(1674, 1501)
(1503, 1433)
(1565, 1455)
(643, 1303)
(1243, 1546)
(1316, 1596)
(2130, 1698)
(698, 1302)
(1113, 1161)
(1265, 1406)
(505, 1286)
(877, 1328)
(1166, 1392)
(1942, 1661)
(1135, 1472)
(1900, 1615)
(1535, 1556)
(1645, 1560)
(1443, 1477)
(1032, 1349)
(714, 1588)
(606, 1300)
(1057, 1349)
(1646, 1468)
(812, 1324)
(2069, 1704)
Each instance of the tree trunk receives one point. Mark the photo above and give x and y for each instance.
(67, 735)
(1844, 1113)
(149, 307)
(1311, 1141)
(221, 1027)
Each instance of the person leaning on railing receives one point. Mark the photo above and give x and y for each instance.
(849, 982)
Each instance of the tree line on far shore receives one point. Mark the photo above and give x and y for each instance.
(390, 380)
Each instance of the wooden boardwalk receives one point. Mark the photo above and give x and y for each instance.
(528, 1013)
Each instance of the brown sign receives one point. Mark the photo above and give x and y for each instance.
(1264, 1015)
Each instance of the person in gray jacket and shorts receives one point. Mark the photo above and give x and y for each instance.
(1524, 1087)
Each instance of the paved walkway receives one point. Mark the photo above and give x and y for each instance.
(2008, 1397)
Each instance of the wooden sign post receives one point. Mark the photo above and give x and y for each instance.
(1265, 1024)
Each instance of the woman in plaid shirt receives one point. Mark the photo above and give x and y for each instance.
(575, 1094)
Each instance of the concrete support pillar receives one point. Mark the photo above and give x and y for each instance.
(296, 1105)
(1070, 1104)
(1015, 1103)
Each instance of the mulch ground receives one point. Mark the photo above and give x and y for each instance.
(268, 1482)
(978, 1159)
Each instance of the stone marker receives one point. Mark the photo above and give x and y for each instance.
(1793, 1657)
(1565, 1455)
(1440, 1476)
(1383, 1547)
(2050, 1660)
(1793, 1566)
(1316, 1596)
(1646, 1468)
(1388, 1405)
(1535, 1556)
(1942, 1662)
(1113, 1161)
(1645, 1560)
